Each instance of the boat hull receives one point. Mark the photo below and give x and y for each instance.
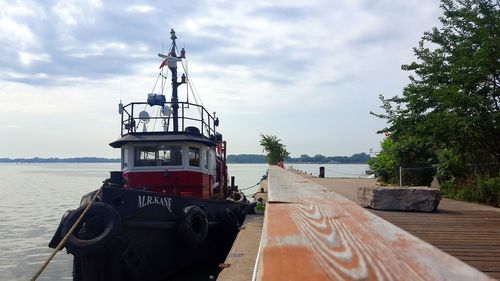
(144, 235)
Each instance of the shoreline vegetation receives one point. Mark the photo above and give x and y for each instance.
(445, 124)
(60, 160)
(358, 158)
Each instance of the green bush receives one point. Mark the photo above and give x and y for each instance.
(489, 191)
(467, 194)
(449, 164)
(448, 188)
(259, 208)
(482, 190)
(384, 164)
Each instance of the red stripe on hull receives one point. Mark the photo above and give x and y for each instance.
(185, 183)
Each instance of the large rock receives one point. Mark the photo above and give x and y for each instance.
(415, 198)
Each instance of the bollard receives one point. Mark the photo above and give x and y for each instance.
(233, 187)
(321, 172)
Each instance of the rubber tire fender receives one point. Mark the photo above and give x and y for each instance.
(250, 208)
(112, 227)
(192, 225)
(57, 237)
(231, 220)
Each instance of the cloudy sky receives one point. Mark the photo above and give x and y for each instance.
(308, 71)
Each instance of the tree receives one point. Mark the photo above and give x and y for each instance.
(318, 158)
(304, 158)
(384, 164)
(359, 158)
(275, 150)
(451, 104)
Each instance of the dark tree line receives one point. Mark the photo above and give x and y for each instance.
(60, 160)
(246, 159)
(358, 158)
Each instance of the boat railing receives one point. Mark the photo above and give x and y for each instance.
(192, 118)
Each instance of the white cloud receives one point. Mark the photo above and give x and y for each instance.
(95, 3)
(21, 9)
(71, 12)
(23, 76)
(18, 33)
(140, 9)
(28, 59)
(67, 11)
(100, 48)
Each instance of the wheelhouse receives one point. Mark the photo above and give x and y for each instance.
(168, 155)
(178, 168)
(189, 161)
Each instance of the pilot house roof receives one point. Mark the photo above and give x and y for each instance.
(161, 137)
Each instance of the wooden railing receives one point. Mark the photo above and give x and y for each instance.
(312, 233)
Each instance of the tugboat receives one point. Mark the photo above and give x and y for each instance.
(170, 207)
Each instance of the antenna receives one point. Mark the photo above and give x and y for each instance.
(187, 79)
(120, 105)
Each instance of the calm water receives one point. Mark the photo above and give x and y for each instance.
(334, 170)
(34, 197)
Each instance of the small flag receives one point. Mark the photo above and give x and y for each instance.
(163, 63)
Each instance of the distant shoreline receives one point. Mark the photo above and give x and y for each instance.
(60, 160)
(359, 158)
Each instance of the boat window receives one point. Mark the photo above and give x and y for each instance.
(170, 155)
(194, 156)
(212, 164)
(207, 158)
(145, 156)
(124, 158)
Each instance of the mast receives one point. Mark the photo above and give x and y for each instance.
(172, 60)
(173, 69)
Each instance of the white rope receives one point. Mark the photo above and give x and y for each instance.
(194, 91)
(192, 86)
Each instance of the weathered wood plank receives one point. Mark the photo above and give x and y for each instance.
(311, 233)
(473, 228)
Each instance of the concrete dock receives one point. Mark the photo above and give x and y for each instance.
(314, 230)
(241, 260)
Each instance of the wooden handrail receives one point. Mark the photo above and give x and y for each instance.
(312, 233)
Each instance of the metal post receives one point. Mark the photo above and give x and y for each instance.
(233, 187)
(174, 100)
(400, 176)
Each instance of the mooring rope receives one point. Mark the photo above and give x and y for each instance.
(72, 229)
(342, 173)
(250, 186)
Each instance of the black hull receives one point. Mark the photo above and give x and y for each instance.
(149, 236)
